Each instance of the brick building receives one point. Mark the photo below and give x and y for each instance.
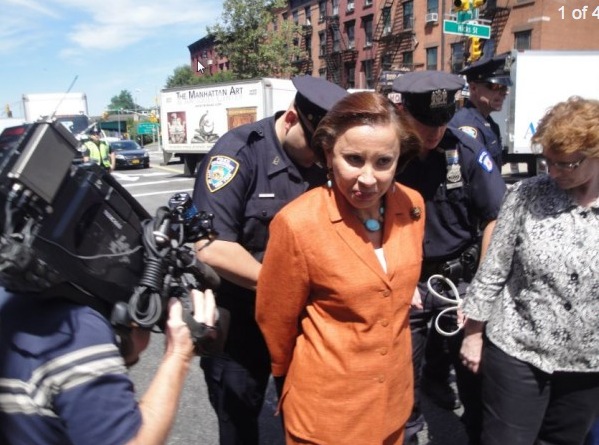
(367, 43)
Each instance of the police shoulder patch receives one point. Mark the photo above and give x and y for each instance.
(221, 170)
(470, 131)
(485, 161)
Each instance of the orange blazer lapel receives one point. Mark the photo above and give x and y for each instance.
(351, 230)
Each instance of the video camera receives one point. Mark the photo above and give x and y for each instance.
(73, 231)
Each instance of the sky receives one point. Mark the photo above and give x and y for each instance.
(104, 46)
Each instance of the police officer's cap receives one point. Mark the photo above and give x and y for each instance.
(315, 96)
(494, 70)
(429, 96)
(94, 130)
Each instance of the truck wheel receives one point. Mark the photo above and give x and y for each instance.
(190, 162)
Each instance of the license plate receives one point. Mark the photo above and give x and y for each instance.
(135, 161)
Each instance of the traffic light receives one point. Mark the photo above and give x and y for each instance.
(475, 49)
(478, 3)
(462, 5)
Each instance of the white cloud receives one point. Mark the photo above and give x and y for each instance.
(34, 6)
(101, 24)
(110, 24)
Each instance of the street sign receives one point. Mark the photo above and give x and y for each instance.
(466, 29)
(146, 128)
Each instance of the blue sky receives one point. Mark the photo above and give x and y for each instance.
(110, 45)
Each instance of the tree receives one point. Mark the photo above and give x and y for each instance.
(123, 101)
(183, 76)
(247, 37)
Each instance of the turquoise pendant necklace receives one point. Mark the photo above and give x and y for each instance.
(374, 225)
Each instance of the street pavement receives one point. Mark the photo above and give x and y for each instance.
(196, 422)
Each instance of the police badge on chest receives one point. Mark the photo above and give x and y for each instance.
(454, 173)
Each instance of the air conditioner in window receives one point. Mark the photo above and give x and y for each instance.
(350, 7)
(431, 17)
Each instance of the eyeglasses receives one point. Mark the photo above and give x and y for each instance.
(564, 165)
(494, 86)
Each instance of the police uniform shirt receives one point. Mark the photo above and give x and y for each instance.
(455, 210)
(485, 130)
(245, 179)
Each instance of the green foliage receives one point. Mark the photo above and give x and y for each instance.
(246, 36)
(124, 100)
(184, 76)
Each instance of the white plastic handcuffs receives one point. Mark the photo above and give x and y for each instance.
(456, 303)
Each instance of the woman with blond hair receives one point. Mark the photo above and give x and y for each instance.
(536, 295)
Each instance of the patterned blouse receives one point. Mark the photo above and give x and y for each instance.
(538, 287)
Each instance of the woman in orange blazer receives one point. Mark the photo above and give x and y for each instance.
(336, 283)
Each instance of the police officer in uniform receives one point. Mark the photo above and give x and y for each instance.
(247, 177)
(463, 190)
(488, 83)
(98, 151)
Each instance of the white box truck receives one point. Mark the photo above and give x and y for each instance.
(70, 109)
(193, 118)
(540, 80)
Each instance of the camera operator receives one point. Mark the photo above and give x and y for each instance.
(63, 374)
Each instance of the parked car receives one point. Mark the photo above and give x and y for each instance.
(130, 154)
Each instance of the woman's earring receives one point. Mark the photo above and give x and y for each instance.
(330, 178)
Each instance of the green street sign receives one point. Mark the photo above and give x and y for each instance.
(147, 128)
(466, 29)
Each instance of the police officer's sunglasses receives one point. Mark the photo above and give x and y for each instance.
(494, 86)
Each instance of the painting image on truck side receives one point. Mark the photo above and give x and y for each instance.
(177, 127)
(205, 129)
(239, 116)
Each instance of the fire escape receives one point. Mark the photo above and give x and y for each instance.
(498, 15)
(337, 51)
(394, 36)
(303, 62)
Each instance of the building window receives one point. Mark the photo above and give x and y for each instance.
(432, 6)
(350, 29)
(431, 59)
(322, 44)
(386, 61)
(457, 57)
(350, 6)
(322, 10)
(350, 75)
(295, 15)
(296, 49)
(322, 72)
(335, 4)
(407, 59)
(386, 14)
(368, 73)
(309, 46)
(522, 40)
(408, 15)
(367, 2)
(308, 15)
(367, 22)
(336, 40)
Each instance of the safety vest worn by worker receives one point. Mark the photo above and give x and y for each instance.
(98, 153)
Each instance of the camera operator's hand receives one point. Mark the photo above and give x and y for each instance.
(178, 335)
(159, 404)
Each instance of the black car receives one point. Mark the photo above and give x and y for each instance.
(130, 154)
